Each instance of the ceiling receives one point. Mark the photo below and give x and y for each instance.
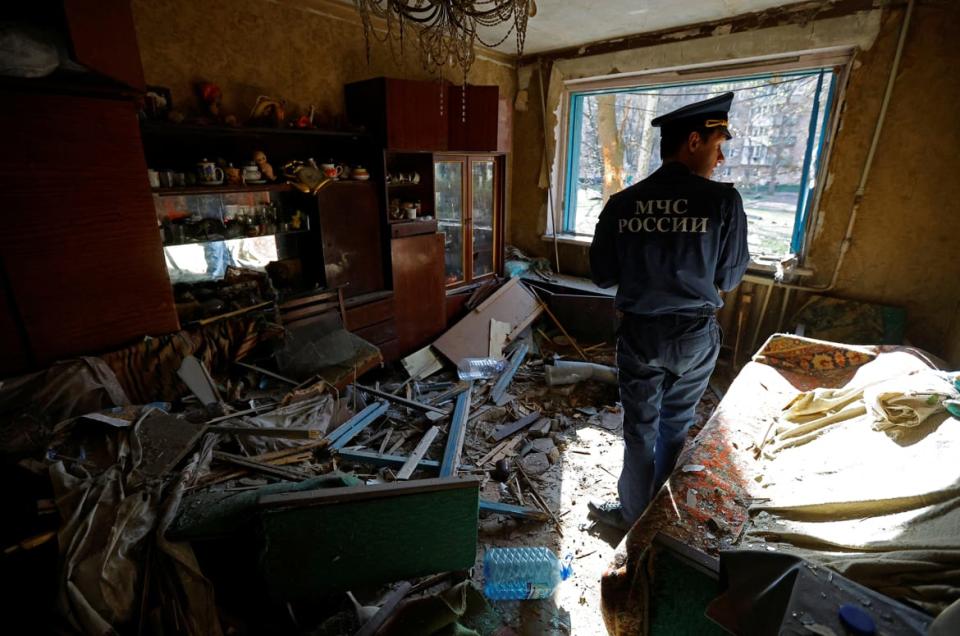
(565, 23)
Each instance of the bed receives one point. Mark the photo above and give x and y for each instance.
(842, 455)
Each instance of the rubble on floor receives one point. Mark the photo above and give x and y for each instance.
(258, 505)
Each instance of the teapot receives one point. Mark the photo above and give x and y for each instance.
(306, 177)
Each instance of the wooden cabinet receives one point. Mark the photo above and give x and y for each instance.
(103, 38)
(350, 224)
(371, 316)
(474, 121)
(402, 114)
(469, 209)
(80, 249)
(429, 116)
(346, 245)
(418, 289)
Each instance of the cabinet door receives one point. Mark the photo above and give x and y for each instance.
(483, 215)
(418, 289)
(416, 116)
(449, 184)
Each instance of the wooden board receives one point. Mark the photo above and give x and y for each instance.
(469, 338)
(405, 529)
(499, 332)
(419, 291)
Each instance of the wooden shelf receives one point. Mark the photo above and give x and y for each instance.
(235, 238)
(165, 128)
(220, 189)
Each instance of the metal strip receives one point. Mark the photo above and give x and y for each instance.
(804, 197)
(458, 429)
(573, 165)
(507, 376)
(383, 461)
(349, 429)
(512, 511)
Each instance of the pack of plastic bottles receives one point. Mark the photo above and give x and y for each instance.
(523, 573)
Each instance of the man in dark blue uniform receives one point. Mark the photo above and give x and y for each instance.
(671, 242)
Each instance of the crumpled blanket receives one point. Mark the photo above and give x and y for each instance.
(892, 404)
(907, 401)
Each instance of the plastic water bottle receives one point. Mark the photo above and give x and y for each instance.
(523, 573)
(480, 368)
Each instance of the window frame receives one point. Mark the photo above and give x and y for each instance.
(837, 59)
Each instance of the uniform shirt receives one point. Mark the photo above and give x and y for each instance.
(670, 241)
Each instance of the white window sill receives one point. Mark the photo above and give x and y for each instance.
(760, 272)
(569, 239)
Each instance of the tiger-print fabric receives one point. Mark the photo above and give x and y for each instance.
(147, 371)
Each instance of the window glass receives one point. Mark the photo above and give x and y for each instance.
(481, 187)
(448, 180)
(777, 122)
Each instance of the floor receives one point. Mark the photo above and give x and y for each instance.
(586, 428)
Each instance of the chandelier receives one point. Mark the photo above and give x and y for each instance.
(446, 29)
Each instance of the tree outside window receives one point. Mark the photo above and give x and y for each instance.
(777, 122)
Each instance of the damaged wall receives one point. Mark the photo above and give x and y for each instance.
(303, 52)
(901, 252)
(300, 51)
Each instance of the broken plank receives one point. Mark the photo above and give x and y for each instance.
(510, 510)
(512, 303)
(260, 467)
(195, 376)
(559, 325)
(499, 451)
(414, 460)
(500, 387)
(271, 431)
(386, 440)
(509, 429)
(412, 404)
(450, 393)
(349, 429)
(458, 430)
(499, 332)
(383, 461)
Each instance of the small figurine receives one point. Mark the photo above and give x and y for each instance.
(210, 99)
(267, 112)
(210, 96)
(305, 121)
(266, 170)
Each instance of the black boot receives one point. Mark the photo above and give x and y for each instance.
(609, 513)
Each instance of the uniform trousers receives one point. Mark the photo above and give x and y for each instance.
(665, 363)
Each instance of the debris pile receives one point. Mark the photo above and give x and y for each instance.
(257, 502)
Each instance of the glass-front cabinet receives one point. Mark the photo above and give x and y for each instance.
(469, 194)
(205, 233)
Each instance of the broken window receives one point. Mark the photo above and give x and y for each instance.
(780, 122)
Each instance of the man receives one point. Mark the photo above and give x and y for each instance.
(669, 241)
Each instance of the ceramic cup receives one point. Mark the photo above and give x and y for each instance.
(209, 172)
(154, 178)
(331, 171)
